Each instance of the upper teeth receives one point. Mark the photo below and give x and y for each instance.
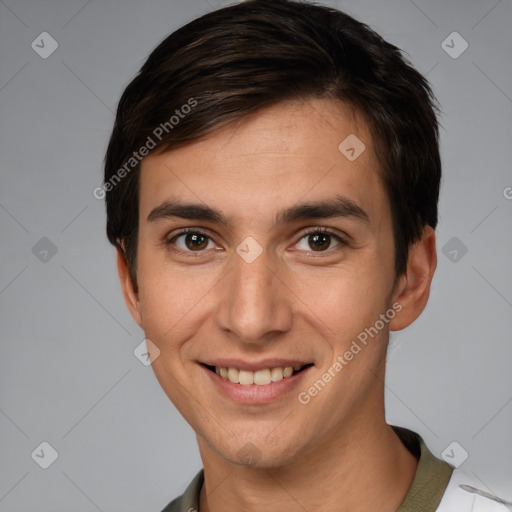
(259, 377)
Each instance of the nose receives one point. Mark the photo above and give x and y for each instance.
(255, 303)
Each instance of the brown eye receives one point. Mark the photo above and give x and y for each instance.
(319, 241)
(195, 241)
(191, 241)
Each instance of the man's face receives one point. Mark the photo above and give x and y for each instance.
(264, 288)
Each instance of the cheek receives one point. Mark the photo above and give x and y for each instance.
(168, 296)
(344, 301)
(348, 292)
(350, 309)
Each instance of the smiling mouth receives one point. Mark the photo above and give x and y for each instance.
(261, 377)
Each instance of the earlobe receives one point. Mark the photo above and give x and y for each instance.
(413, 287)
(130, 295)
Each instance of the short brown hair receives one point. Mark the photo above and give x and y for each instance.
(237, 60)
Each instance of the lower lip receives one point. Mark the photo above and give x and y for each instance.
(254, 394)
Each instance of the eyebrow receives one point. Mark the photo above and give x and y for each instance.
(338, 206)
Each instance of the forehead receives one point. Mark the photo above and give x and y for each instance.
(290, 152)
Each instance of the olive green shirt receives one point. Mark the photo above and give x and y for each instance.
(427, 489)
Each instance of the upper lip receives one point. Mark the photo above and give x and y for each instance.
(253, 365)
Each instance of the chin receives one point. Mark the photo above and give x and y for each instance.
(259, 452)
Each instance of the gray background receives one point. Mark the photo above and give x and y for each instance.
(68, 373)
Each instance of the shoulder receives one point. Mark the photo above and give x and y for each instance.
(466, 494)
(189, 500)
(174, 505)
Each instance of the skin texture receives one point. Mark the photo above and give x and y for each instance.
(336, 452)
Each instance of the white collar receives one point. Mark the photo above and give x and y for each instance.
(456, 499)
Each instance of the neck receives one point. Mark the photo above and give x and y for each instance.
(366, 470)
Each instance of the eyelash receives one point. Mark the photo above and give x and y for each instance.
(308, 232)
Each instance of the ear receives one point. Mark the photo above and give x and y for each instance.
(413, 286)
(130, 295)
